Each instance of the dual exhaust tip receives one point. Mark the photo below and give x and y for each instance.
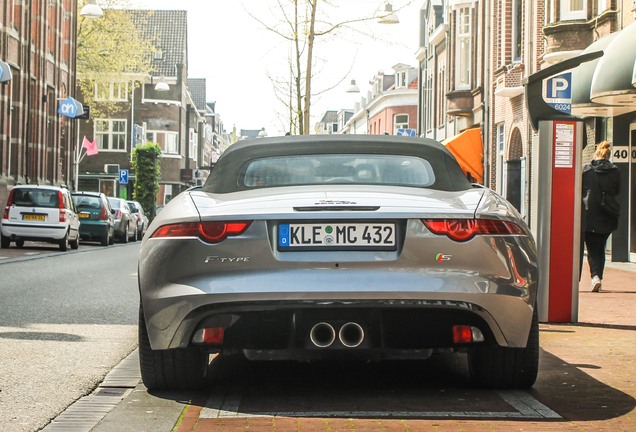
(323, 334)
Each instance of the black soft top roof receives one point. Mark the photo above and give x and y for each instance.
(224, 176)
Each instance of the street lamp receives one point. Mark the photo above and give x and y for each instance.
(388, 16)
(352, 88)
(162, 85)
(92, 10)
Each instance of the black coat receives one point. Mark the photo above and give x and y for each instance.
(598, 176)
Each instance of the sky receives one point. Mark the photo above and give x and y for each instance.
(237, 55)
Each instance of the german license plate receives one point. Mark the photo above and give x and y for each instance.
(337, 236)
(35, 217)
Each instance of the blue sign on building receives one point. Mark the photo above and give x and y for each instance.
(71, 108)
(558, 92)
(123, 176)
(406, 132)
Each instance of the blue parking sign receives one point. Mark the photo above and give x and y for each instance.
(123, 176)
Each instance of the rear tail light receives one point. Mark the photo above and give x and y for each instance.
(60, 205)
(118, 214)
(211, 232)
(465, 229)
(467, 334)
(9, 203)
(209, 335)
(103, 215)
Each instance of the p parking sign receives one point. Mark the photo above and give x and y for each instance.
(558, 92)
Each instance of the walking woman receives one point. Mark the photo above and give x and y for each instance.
(600, 177)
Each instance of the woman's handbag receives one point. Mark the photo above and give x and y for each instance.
(609, 205)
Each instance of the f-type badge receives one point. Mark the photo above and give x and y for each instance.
(219, 259)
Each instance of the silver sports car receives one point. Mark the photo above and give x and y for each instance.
(338, 247)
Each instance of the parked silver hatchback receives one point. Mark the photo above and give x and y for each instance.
(40, 213)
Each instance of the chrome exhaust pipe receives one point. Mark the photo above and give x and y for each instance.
(351, 334)
(322, 335)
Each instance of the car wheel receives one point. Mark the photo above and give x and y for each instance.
(140, 233)
(19, 244)
(105, 241)
(171, 369)
(500, 367)
(75, 243)
(64, 243)
(5, 242)
(111, 238)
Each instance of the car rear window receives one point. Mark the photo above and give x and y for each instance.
(87, 201)
(114, 203)
(337, 169)
(36, 197)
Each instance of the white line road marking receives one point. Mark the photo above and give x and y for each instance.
(225, 404)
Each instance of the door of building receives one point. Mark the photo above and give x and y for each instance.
(513, 183)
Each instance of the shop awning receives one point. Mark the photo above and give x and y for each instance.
(603, 87)
(468, 149)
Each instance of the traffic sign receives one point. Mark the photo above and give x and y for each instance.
(406, 132)
(123, 176)
(558, 92)
(71, 108)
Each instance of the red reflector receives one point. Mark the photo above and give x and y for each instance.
(462, 334)
(213, 335)
(465, 229)
(211, 232)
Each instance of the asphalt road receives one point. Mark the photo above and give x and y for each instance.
(66, 319)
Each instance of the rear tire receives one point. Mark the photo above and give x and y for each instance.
(140, 234)
(5, 242)
(105, 241)
(171, 369)
(64, 245)
(19, 244)
(75, 243)
(502, 367)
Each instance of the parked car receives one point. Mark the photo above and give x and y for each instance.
(338, 247)
(125, 220)
(142, 219)
(40, 213)
(97, 217)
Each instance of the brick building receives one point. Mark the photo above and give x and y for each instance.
(38, 43)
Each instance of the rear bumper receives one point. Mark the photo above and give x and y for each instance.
(89, 230)
(33, 232)
(409, 319)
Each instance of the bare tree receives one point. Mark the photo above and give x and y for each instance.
(302, 23)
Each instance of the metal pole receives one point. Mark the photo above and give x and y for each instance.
(76, 159)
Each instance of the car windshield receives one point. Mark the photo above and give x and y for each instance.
(36, 197)
(337, 169)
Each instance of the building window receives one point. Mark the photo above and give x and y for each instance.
(401, 122)
(602, 6)
(113, 91)
(517, 30)
(401, 80)
(193, 144)
(168, 141)
(463, 66)
(111, 134)
(573, 10)
(500, 157)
